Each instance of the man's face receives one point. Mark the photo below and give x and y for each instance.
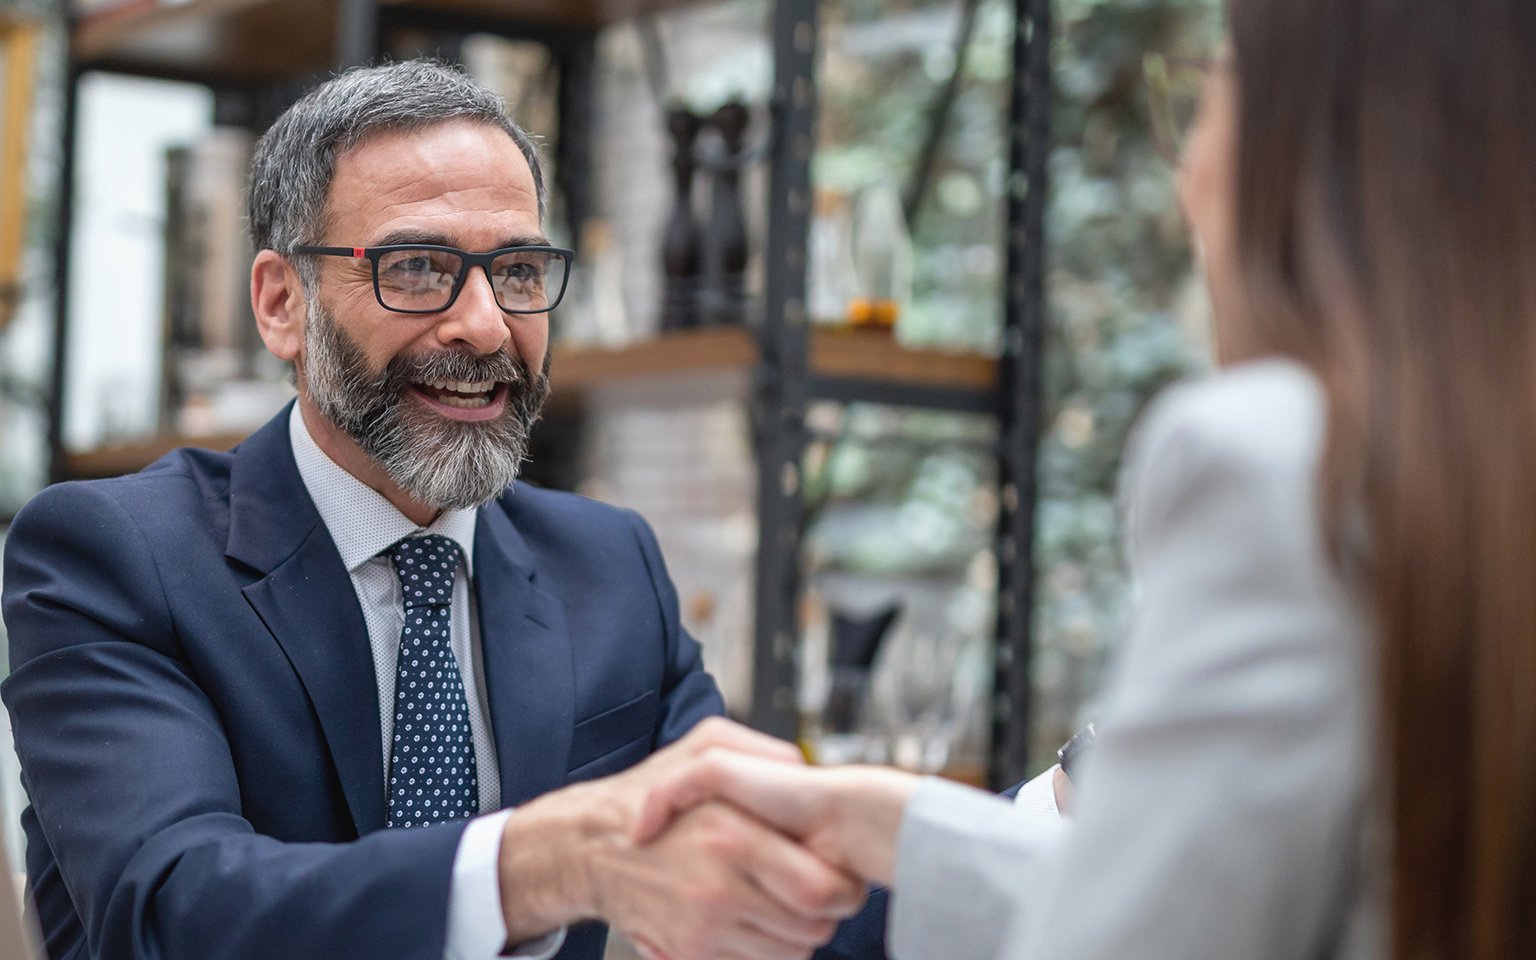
(441, 402)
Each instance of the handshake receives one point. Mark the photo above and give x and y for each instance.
(724, 846)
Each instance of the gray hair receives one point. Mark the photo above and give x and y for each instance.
(295, 160)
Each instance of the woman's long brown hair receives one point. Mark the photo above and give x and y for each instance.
(1387, 237)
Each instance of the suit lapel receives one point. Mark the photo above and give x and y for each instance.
(306, 600)
(526, 648)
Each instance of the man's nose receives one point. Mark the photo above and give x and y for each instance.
(475, 319)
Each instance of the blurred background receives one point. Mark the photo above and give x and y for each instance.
(823, 369)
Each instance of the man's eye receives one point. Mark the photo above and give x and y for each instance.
(420, 271)
(520, 273)
(410, 265)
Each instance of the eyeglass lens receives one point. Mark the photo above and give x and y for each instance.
(424, 280)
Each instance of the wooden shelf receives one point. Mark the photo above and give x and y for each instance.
(875, 355)
(846, 354)
(118, 459)
(578, 369)
(589, 14)
(268, 40)
(855, 355)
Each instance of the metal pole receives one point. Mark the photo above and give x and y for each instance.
(357, 33)
(573, 164)
(782, 376)
(1019, 373)
(58, 468)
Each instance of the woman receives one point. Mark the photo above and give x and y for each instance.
(1321, 737)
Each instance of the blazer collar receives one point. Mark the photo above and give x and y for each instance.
(270, 512)
(306, 599)
(527, 654)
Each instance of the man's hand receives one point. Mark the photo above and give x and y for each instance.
(849, 816)
(717, 884)
(714, 885)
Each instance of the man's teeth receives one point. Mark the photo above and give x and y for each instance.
(464, 394)
(466, 403)
(463, 386)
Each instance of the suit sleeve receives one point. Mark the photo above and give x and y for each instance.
(1218, 811)
(132, 784)
(689, 694)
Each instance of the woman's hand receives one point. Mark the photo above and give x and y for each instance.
(849, 816)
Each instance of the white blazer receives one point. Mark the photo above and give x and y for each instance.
(1227, 811)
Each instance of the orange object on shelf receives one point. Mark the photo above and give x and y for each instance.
(877, 314)
(885, 313)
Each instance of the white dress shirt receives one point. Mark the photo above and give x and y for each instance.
(1037, 798)
(363, 524)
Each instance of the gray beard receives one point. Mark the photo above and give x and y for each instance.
(443, 463)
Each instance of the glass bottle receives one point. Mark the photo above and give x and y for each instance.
(832, 282)
(882, 254)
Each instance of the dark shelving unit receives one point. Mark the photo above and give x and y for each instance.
(258, 55)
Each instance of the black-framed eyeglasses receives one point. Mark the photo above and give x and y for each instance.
(427, 278)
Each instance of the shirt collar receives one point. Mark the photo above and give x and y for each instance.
(360, 520)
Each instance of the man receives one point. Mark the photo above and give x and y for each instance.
(257, 696)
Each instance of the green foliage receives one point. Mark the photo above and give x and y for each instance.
(1119, 281)
(1119, 287)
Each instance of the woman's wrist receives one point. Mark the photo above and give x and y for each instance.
(869, 803)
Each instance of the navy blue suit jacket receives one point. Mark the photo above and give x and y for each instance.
(196, 714)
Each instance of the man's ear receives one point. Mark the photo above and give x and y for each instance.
(277, 299)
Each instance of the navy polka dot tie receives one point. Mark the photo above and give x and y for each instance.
(432, 757)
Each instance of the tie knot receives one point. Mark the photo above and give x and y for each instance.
(426, 566)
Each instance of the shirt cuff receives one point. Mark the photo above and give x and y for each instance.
(1037, 798)
(965, 861)
(476, 928)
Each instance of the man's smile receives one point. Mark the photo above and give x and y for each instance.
(463, 400)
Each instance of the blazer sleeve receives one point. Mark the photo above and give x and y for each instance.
(1218, 813)
(689, 693)
(132, 784)
(863, 936)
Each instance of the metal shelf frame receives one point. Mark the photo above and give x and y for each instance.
(785, 382)
(1021, 394)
